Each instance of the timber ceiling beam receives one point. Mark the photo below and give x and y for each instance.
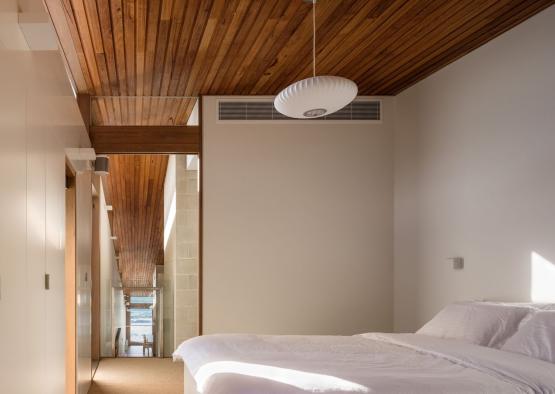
(145, 139)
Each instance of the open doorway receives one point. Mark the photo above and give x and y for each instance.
(79, 196)
(144, 324)
(149, 254)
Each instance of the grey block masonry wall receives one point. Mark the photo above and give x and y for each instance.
(186, 284)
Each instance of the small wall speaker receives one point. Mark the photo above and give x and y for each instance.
(101, 165)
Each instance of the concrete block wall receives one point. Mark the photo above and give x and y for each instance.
(186, 283)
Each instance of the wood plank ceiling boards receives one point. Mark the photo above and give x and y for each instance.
(135, 189)
(144, 60)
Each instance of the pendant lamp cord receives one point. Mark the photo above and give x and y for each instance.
(313, 38)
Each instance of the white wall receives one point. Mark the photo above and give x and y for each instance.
(119, 316)
(169, 186)
(297, 226)
(109, 277)
(474, 162)
(83, 281)
(170, 253)
(169, 293)
(38, 119)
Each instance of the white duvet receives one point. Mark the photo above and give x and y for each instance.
(367, 363)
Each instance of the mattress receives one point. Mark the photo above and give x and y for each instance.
(190, 383)
(367, 363)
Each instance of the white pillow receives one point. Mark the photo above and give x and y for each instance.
(536, 337)
(533, 305)
(480, 323)
(545, 306)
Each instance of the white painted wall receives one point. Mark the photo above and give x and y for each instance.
(107, 259)
(119, 316)
(297, 226)
(169, 186)
(169, 293)
(170, 252)
(474, 163)
(109, 278)
(38, 119)
(83, 281)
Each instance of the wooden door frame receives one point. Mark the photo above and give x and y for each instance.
(70, 285)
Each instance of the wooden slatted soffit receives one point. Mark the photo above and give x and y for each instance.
(183, 48)
(141, 111)
(135, 189)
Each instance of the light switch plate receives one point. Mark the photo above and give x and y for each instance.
(458, 263)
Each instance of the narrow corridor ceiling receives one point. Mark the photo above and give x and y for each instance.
(135, 189)
(188, 48)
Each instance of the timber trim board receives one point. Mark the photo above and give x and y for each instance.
(145, 139)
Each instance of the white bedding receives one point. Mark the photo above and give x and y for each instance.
(367, 363)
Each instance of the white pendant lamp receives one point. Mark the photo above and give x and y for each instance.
(317, 96)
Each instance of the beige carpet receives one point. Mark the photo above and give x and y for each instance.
(138, 376)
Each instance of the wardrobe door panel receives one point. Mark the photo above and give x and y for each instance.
(55, 236)
(34, 328)
(13, 315)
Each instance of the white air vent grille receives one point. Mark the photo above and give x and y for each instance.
(264, 110)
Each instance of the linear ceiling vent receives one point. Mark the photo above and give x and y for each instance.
(365, 110)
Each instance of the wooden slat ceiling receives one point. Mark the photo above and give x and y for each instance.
(140, 111)
(135, 189)
(188, 48)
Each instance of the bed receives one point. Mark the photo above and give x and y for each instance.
(365, 363)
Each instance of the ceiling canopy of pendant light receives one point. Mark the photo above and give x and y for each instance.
(316, 96)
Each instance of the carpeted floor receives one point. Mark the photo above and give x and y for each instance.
(138, 376)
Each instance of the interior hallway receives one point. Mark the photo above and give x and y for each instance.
(138, 376)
